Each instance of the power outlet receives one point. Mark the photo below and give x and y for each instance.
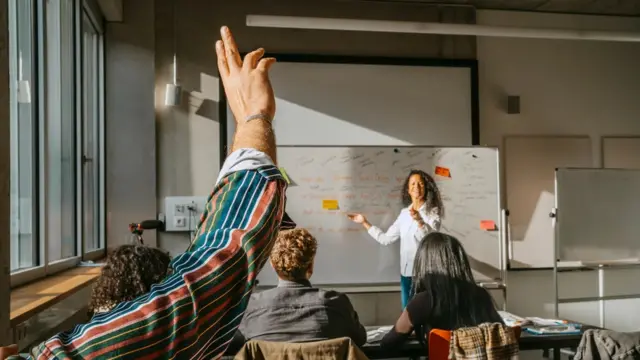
(183, 212)
(180, 222)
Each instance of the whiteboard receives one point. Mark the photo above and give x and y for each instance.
(365, 104)
(598, 214)
(530, 164)
(369, 180)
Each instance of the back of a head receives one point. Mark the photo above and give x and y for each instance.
(442, 270)
(129, 272)
(293, 254)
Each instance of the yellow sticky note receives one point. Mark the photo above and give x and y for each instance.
(330, 204)
(284, 175)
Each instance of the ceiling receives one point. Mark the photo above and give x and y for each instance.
(593, 7)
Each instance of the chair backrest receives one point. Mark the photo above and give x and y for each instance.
(342, 348)
(439, 343)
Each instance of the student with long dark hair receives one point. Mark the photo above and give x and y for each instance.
(447, 296)
(422, 214)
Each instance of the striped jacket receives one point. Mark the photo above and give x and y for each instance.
(194, 313)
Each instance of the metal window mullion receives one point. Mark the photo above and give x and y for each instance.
(101, 143)
(78, 116)
(42, 136)
(13, 118)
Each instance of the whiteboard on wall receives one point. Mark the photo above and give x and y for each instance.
(598, 214)
(363, 104)
(530, 163)
(621, 152)
(369, 180)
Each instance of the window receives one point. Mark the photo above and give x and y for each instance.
(92, 126)
(57, 145)
(60, 133)
(23, 135)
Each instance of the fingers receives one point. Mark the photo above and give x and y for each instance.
(231, 49)
(223, 66)
(251, 59)
(265, 64)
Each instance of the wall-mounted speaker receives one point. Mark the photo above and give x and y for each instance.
(513, 104)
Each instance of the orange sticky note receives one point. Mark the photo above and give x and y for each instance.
(487, 225)
(442, 171)
(330, 204)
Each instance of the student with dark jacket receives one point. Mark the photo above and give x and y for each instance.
(295, 311)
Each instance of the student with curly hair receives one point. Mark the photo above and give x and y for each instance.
(295, 311)
(422, 214)
(130, 271)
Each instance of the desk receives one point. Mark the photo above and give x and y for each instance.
(413, 349)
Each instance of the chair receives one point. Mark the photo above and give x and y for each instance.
(439, 341)
(336, 349)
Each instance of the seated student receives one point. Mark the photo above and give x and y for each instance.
(295, 311)
(129, 272)
(447, 296)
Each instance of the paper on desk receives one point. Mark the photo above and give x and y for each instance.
(514, 320)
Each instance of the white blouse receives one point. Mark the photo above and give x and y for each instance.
(406, 229)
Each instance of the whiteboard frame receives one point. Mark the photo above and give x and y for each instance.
(495, 284)
(472, 65)
(559, 267)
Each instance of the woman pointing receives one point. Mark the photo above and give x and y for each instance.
(422, 214)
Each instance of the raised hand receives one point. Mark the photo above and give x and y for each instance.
(357, 218)
(246, 83)
(416, 216)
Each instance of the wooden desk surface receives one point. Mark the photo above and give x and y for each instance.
(28, 300)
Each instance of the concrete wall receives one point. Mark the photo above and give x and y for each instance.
(130, 122)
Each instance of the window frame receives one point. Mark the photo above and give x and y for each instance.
(93, 18)
(39, 103)
(16, 67)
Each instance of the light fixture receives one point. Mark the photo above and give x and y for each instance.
(314, 23)
(24, 88)
(173, 91)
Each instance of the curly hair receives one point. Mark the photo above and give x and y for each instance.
(431, 193)
(293, 254)
(128, 273)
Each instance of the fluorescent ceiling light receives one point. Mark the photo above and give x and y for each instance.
(295, 22)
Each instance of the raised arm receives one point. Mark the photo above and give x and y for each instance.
(195, 312)
(385, 238)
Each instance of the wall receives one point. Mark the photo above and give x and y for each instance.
(130, 122)
(568, 88)
(5, 176)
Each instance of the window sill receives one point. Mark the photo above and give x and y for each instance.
(28, 300)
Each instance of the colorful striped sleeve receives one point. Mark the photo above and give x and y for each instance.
(193, 313)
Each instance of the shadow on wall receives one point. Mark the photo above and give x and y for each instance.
(383, 104)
